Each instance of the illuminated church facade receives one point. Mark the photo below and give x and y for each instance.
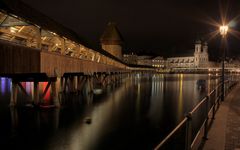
(199, 59)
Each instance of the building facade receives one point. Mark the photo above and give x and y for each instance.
(144, 60)
(130, 58)
(158, 62)
(180, 62)
(199, 59)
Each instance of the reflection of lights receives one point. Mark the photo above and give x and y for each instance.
(209, 85)
(29, 88)
(47, 96)
(180, 98)
(138, 75)
(138, 103)
(84, 136)
(3, 85)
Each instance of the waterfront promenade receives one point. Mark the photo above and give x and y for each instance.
(225, 130)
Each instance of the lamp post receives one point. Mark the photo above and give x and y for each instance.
(223, 31)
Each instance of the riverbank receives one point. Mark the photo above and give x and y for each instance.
(225, 130)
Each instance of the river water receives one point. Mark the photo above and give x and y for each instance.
(135, 114)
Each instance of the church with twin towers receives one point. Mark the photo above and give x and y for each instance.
(199, 58)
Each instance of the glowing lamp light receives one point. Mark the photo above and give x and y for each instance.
(44, 38)
(223, 30)
(12, 30)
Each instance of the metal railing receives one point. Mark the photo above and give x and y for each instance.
(209, 105)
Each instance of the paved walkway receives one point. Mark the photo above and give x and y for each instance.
(225, 130)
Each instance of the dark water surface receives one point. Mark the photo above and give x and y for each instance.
(135, 114)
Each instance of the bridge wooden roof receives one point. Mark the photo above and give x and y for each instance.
(34, 17)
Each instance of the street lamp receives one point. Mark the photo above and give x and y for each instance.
(223, 31)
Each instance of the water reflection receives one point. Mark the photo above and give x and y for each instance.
(5, 85)
(14, 120)
(43, 86)
(180, 98)
(133, 115)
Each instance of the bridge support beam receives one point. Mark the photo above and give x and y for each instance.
(74, 83)
(14, 92)
(90, 80)
(65, 84)
(88, 87)
(36, 93)
(62, 84)
(70, 84)
(55, 92)
(104, 80)
(81, 81)
(14, 118)
(56, 119)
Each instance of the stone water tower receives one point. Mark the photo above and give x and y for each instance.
(111, 40)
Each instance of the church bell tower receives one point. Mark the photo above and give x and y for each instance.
(201, 54)
(197, 53)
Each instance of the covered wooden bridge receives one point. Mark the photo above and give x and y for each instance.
(33, 47)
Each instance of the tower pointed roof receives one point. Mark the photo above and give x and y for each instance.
(111, 35)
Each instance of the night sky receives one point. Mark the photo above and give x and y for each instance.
(157, 27)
